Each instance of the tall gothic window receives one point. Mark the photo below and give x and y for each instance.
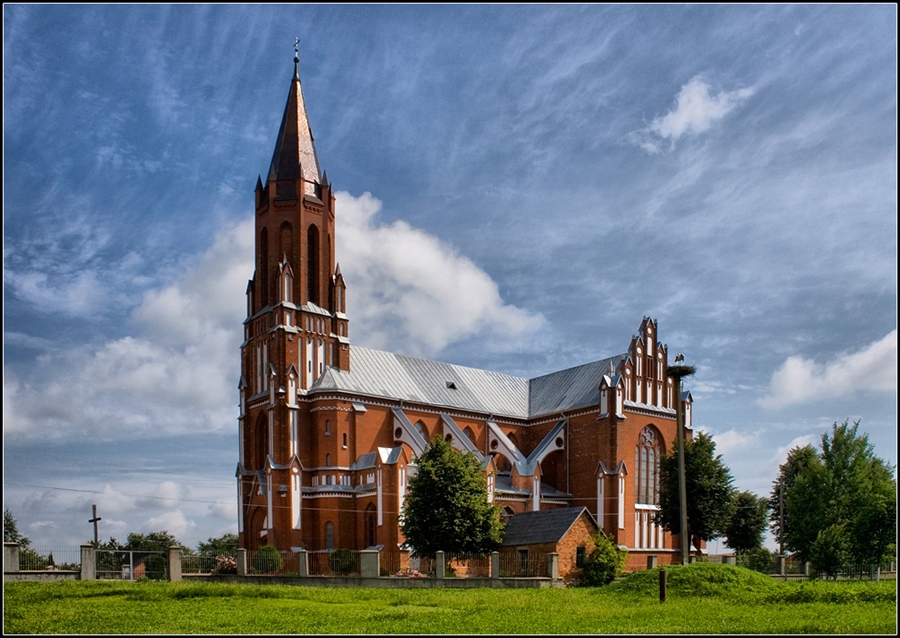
(312, 264)
(264, 268)
(646, 463)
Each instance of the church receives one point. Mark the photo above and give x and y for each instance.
(329, 432)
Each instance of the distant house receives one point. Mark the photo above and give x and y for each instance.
(530, 536)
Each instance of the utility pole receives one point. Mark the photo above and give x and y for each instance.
(678, 370)
(95, 520)
(781, 516)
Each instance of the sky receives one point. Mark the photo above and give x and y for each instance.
(518, 186)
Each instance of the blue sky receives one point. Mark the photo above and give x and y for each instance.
(519, 186)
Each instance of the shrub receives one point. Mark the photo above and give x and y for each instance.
(342, 561)
(266, 560)
(604, 564)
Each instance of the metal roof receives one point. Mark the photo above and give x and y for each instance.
(543, 526)
(394, 376)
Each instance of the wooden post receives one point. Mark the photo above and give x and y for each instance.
(662, 585)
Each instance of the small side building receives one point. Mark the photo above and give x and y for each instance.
(568, 532)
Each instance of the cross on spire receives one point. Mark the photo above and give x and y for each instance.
(297, 58)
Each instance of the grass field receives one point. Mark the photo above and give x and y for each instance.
(702, 598)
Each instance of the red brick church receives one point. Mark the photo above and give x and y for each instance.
(329, 432)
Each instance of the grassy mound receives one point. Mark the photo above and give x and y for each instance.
(700, 579)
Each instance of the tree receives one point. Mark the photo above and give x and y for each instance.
(447, 505)
(226, 545)
(11, 530)
(708, 486)
(843, 502)
(152, 542)
(798, 459)
(747, 522)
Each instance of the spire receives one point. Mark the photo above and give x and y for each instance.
(295, 150)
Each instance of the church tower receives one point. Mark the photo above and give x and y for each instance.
(296, 324)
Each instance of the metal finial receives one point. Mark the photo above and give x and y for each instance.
(297, 58)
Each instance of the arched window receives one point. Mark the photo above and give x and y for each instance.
(468, 432)
(312, 265)
(646, 464)
(420, 428)
(371, 524)
(327, 460)
(264, 268)
(260, 442)
(329, 536)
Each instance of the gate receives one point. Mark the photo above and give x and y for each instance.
(126, 564)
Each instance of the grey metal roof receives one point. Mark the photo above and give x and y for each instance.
(544, 526)
(385, 374)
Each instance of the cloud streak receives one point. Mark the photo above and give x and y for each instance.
(801, 380)
(695, 111)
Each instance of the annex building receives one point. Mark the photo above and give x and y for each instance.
(329, 431)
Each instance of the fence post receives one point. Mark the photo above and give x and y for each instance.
(440, 566)
(728, 560)
(806, 568)
(10, 557)
(781, 565)
(553, 566)
(368, 563)
(302, 563)
(495, 564)
(651, 561)
(241, 560)
(174, 564)
(88, 562)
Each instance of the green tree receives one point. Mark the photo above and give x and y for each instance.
(798, 459)
(708, 486)
(747, 522)
(226, 545)
(844, 501)
(266, 560)
(604, 563)
(11, 530)
(447, 505)
(831, 550)
(152, 542)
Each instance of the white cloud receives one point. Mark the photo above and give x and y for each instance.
(732, 441)
(801, 380)
(411, 292)
(174, 522)
(695, 111)
(178, 371)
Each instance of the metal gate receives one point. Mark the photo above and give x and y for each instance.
(131, 565)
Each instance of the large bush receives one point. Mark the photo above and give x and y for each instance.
(604, 564)
(342, 561)
(266, 560)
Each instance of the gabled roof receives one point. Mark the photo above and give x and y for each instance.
(544, 526)
(384, 374)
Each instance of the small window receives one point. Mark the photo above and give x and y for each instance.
(327, 460)
(580, 553)
(344, 440)
(327, 428)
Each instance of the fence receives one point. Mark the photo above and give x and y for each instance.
(789, 568)
(131, 565)
(50, 558)
(342, 565)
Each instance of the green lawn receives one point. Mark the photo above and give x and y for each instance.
(701, 599)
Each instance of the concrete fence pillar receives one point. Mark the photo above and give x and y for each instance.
(10, 557)
(303, 563)
(781, 565)
(241, 561)
(495, 564)
(440, 566)
(728, 560)
(174, 564)
(652, 561)
(692, 559)
(369, 563)
(553, 566)
(88, 562)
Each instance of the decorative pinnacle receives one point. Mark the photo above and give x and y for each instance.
(297, 58)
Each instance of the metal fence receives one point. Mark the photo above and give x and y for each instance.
(339, 562)
(50, 558)
(520, 565)
(771, 565)
(131, 565)
(201, 564)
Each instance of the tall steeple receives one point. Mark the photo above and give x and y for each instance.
(295, 148)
